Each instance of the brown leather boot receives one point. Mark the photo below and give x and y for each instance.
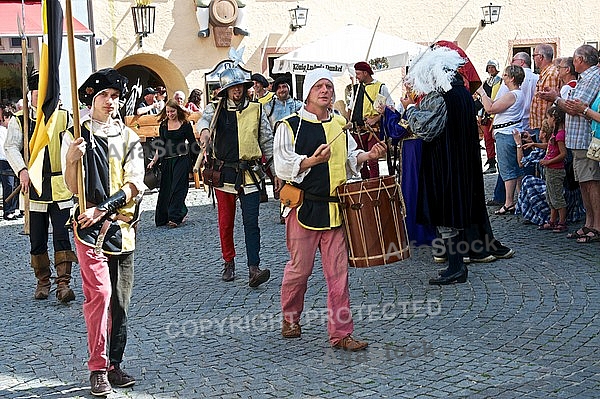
(228, 271)
(41, 268)
(63, 263)
(257, 276)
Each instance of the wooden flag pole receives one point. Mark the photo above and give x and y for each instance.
(355, 92)
(372, 38)
(75, 102)
(25, 86)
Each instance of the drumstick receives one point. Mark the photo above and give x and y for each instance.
(372, 132)
(335, 138)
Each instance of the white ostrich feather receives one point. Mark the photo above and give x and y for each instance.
(434, 69)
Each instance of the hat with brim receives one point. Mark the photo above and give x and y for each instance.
(107, 78)
(33, 80)
(233, 77)
(257, 77)
(283, 80)
(493, 63)
(223, 91)
(148, 90)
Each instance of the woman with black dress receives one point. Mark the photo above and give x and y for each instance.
(172, 150)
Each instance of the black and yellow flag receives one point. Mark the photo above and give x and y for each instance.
(49, 88)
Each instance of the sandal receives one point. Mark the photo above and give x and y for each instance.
(579, 233)
(560, 228)
(506, 210)
(548, 226)
(595, 236)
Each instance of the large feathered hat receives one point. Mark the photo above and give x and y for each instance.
(434, 69)
(468, 71)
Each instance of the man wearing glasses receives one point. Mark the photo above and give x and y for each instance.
(549, 80)
(578, 128)
(523, 60)
(568, 76)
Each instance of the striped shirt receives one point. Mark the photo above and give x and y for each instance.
(577, 126)
(548, 79)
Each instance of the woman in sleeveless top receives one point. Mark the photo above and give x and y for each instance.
(508, 109)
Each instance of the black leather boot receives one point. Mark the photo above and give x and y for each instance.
(457, 271)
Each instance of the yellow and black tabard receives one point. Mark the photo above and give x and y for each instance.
(318, 211)
(113, 157)
(266, 98)
(237, 143)
(365, 97)
(54, 188)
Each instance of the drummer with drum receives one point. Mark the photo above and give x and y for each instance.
(364, 117)
(312, 153)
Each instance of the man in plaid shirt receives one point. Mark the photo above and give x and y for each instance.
(578, 137)
(549, 80)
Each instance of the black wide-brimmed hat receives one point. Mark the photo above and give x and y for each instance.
(33, 80)
(285, 79)
(148, 90)
(257, 77)
(107, 78)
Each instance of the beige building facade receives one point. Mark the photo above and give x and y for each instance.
(180, 58)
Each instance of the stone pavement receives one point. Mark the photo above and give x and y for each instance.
(522, 327)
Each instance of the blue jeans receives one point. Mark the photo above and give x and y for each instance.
(9, 183)
(506, 154)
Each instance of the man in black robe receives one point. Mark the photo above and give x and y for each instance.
(451, 192)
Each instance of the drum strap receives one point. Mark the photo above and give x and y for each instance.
(311, 197)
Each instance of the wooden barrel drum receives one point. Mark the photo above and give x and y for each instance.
(374, 221)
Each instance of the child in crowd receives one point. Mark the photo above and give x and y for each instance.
(554, 169)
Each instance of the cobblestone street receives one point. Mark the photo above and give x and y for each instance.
(521, 327)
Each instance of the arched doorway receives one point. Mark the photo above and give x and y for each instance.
(149, 70)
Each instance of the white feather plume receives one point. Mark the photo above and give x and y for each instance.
(434, 69)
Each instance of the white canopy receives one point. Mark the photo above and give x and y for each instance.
(345, 47)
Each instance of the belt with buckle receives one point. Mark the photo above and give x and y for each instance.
(501, 125)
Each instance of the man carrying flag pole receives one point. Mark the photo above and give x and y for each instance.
(103, 165)
(50, 200)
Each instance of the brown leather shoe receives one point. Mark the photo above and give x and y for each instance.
(228, 271)
(290, 330)
(257, 276)
(99, 383)
(350, 344)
